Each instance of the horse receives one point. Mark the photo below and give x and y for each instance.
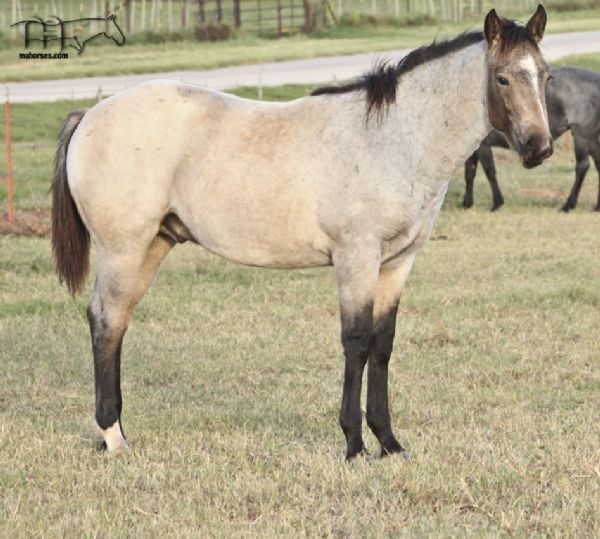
(57, 30)
(573, 101)
(344, 177)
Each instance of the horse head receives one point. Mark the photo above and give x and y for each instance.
(517, 77)
(114, 30)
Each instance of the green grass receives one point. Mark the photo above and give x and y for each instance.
(232, 383)
(107, 59)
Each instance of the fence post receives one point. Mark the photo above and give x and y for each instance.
(9, 178)
(183, 13)
(307, 17)
(279, 23)
(219, 12)
(128, 15)
(237, 13)
(201, 14)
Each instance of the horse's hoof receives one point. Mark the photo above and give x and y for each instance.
(103, 448)
(401, 452)
(363, 454)
(566, 209)
(114, 440)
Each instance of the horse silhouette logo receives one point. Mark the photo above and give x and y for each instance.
(75, 33)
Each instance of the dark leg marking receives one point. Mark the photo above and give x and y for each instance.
(356, 340)
(470, 173)
(595, 152)
(489, 167)
(106, 345)
(581, 168)
(378, 414)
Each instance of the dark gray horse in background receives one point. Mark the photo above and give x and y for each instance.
(573, 101)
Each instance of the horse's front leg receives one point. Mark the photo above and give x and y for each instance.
(356, 273)
(582, 165)
(389, 287)
(487, 162)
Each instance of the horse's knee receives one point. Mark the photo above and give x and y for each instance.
(582, 166)
(357, 343)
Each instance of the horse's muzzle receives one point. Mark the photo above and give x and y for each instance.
(535, 151)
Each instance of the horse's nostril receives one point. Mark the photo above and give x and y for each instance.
(532, 143)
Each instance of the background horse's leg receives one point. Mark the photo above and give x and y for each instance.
(470, 173)
(581, 167)
(595, 151)
(121, 282)
(487, 162)
(356, 272)
(391, 281)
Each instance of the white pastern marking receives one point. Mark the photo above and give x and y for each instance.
(528, 64)
(113, 436)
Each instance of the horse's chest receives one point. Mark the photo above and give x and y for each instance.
(414, 230)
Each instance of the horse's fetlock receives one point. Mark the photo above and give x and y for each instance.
(108, 416)
(379, 424)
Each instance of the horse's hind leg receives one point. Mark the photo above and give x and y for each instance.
(470, 173)
(581, 167)
(389, 288)
(487, 162)
(595, 151)
(121, 281)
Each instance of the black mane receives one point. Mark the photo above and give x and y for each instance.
(380, 83)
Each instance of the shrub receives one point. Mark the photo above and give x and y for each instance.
(212, 32)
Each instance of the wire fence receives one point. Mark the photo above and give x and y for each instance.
(138, 16)
(29, 133)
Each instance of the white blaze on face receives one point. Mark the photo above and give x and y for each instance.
(529, 66)
(113, 436)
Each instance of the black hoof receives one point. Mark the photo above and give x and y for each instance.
(101, 447)
(566, 209)
(390, 446)
(363, 454)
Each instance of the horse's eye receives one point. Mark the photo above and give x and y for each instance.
(502, 81)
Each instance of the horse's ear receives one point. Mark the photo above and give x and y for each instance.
(492, 28)
(537, 23)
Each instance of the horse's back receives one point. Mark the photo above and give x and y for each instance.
(574, 100)
(231, 169)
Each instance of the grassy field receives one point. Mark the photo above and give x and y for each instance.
(143, 57)
(232, 383)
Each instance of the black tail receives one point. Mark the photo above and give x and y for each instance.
(70, 238)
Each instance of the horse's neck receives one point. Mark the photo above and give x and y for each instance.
(442, 112)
